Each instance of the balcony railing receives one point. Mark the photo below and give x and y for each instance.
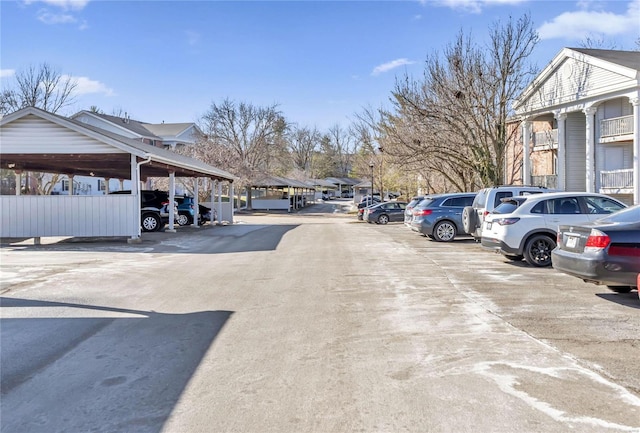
(616, 126)
(547, 139)
(617, 179)
(548, 181)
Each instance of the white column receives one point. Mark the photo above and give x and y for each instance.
(70, 177)
(196, 205)
(636, 150)
(172, 200)
(231, 199)
(561, 118)
(219, 202)
(213, 191)
(18, 182)
(590, 169)
(526, 153)
(107, 190)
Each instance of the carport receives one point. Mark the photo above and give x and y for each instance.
(274, 192)
(35, 140)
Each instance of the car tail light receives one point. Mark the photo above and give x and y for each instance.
(506, 221)
(485, 213)
(596, 241)
(622, 250)
(422, 212)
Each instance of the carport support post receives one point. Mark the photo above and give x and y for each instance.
(231, 200)
(196, 205)
(219, 202)
(18, 182)
(213, 192)
(70, 177)
(172, 200)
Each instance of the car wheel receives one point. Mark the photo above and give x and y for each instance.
(182, 220)
(151, 222)
(537, 250)
(444, 231)
(383, 219)
(514, 258)
(620, 289)
(469, 219)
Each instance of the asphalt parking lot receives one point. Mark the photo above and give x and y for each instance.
(308, 322)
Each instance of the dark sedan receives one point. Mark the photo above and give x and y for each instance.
(605, 251)
(385, 212)
(439, 216)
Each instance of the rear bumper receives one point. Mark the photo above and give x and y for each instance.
(594, 270)
(499, 246)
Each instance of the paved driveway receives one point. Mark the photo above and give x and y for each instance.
(308, 322)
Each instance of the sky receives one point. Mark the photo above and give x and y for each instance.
(320, 62)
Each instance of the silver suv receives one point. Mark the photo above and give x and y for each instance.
(487, 200)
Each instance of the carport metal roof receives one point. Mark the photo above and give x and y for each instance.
(31, 142)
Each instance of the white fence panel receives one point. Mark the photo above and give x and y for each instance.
(58, 215)
(267, 204)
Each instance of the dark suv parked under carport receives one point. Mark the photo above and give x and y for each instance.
(154, 212)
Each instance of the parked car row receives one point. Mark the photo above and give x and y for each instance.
(588, 235)
(154, 209)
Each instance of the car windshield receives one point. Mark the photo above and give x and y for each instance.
(628, 215)
(413, 202)
(506, 207)
(426, 202)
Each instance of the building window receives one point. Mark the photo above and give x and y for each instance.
(102, 185)
(65, 185)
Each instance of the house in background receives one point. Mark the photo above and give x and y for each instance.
(580, 124)
(166, 135)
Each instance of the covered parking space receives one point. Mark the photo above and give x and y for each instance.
(33, 140)
(279, 193)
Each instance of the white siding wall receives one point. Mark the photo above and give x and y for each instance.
(576, 152)
(84, 216)
(107, 126)
(574, 80)
(34, 135)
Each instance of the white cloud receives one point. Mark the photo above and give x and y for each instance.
(192, 37)
(53, 18)
(581, 24)
(473, 6)
(6, 73)
(63, 4)
(385, 67)
(86, 86)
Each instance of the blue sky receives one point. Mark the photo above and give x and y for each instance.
(320, 61)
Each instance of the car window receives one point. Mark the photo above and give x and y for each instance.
(413, 202)
(499, 196)
(401, 205)
(601, 205)
(539, 208)
(506, 207)
(564, 206)
(628, 215)
(426, 202)
(459, 201)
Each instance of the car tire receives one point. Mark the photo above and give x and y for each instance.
(151, 222)
(469, 219)
(513, 258)
(444, 231)
(537, 250)
(383, 219)
(182, 220)
(620, 289)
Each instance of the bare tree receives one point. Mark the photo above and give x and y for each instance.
(454, 121)
(45, 88)
(303, 143)
(240, 136)
(42, 87)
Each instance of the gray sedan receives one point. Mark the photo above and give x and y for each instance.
(605, 251)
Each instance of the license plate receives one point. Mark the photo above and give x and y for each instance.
(489, 225)
(571, 241)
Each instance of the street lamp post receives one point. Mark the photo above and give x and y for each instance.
(371, 167)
